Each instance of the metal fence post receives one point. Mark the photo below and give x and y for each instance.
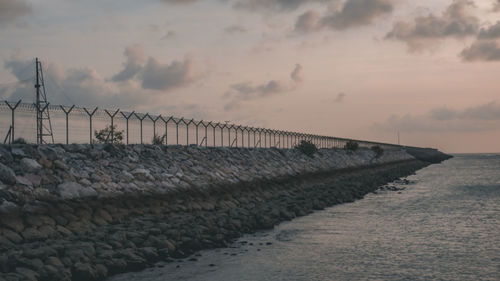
(90, 114)
(112, 116)
(67, 112)
(12, 109)
(140, 122)
(127, 117)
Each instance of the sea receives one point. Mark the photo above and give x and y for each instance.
(441, 224)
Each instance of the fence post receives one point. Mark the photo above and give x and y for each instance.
(90, 114)
(216, 125)
(112, 116)
(197, 124)
(154, 126)
(206, 132)
(67, 112)
(140, 122)
(12, 109)
(127, 117)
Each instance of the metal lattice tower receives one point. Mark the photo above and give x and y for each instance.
(43, 124)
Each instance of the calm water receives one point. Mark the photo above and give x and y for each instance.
(445, 225)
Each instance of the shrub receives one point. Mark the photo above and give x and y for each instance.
(104, 135)
(157, 139)
(307, 147)
(19, 141)
(378, 150)
(351, 145)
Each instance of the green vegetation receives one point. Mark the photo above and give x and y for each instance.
(19, 141)
(378, 150)
(351, 145)
(157, 139)
(307, 147)
(104, 135)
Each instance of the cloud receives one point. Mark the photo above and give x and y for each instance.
(496, 6)
(356, 13)
(235, 29)
(164, 77)
(273, 5)
(492, 32)
(340, 98)
(81, 86)
(297, 74)
(308, 22)
(168, 35)
(425, 31)
(244, 91)
(133, 64)
(353, 13)
(482, 50)
(482, 117)
(178, 1)
(11, 10)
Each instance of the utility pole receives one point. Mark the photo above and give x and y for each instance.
(42, 106)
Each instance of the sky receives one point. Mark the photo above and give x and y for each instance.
(362, 69)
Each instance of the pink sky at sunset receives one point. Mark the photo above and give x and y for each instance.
(349, 68)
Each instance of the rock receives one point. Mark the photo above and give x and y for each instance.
(7, 175)
(18, 152)
(28, 274)
(32, 234)
(63, 230)
(34, 179)
(13, 222)
(5, 156)
(47, 152)
(60, 165)
(83, 271)
(54, 261)
(24, 181)
(142, 175)
(12, 236)
(7, 207)
(72, 190)
(29, 165)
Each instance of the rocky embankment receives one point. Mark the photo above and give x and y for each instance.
(83, 213)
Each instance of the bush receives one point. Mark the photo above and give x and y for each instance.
(19, 141)
(378, 150)
(104, 135)
(351, 145)
(307, 147)
(157, 139)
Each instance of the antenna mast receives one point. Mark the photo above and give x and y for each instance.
(43, 129)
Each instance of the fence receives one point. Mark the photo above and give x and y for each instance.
(72, 124)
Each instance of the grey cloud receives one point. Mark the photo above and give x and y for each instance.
(297, 74)
(492, 32)
(340, 97)
(357, 13)
(164, 77)
(308, 22)
(133, 64)
(273, 5)
(482, 50)
(12, 9)
(178, 1)
(475, 118)
(353, 13)
(235, 29)
(81, 86)
(248, 91)
(423, 31)
(496, 6)
(168, 35)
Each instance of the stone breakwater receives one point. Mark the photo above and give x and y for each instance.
(83, 213)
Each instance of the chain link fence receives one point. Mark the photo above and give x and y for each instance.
(74, 124)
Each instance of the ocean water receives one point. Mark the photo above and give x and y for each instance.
(443, 225)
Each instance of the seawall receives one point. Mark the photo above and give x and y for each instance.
(79, 212)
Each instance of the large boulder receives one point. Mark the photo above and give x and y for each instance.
(30, 165)
(71, 190)
(7, 175)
